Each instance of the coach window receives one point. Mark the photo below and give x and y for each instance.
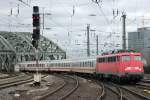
(91, 64)
(66, 65)
(82, 64)
(88, 63)
(126, 58)
(69, 64)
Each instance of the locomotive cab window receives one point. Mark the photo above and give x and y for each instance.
(126, 58)
(138, 58)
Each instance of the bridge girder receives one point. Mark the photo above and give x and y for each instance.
(16, 47)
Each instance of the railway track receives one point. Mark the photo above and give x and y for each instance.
(144, 86)
(65, 90)
(10, 83)
(135, 93)
(146, 81)
(15, 81)
(117, 91)
(5, 76)
(102, 94)
(11, 79)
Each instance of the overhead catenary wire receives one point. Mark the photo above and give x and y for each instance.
(25, 3)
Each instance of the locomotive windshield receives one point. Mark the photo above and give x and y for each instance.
(126, 58)
(138, 58)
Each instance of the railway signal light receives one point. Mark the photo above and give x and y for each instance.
(36, 26)
(36, 20)
(36, 17)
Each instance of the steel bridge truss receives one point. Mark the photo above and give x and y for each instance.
(16, 47)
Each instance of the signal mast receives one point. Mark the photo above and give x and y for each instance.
(35, 40)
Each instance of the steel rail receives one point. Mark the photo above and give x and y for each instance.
(146, 80)
(101, 96)
(71, 91)
(52, 92)
(119, 93)
(48, 94)
(134, 93)
(143, 86)
(9, 76)
(11, 80)
(18, 82)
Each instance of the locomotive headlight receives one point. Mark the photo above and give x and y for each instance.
(127, 68)
(138, 68)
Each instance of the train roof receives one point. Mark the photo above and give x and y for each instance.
(119, 54)
(74, 60)
(34, 62)
(60, 61)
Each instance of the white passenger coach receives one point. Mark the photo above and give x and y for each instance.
(84, 65)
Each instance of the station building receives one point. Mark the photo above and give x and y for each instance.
(140, 40)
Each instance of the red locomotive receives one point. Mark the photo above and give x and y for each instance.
(120, 66)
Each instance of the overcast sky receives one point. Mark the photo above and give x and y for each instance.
(68, 29)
